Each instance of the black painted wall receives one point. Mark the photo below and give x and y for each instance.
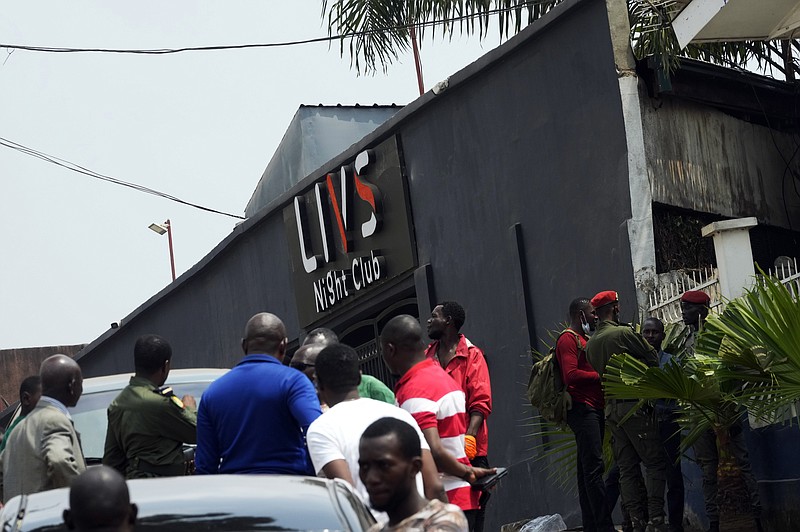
(531, 134)
(536, 138)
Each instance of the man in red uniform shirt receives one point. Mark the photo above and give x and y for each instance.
(437, 404)
(586, 417)
(465, 363)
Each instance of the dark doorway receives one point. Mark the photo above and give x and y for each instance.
(363, 336)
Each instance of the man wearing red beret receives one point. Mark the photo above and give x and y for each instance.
(637, 440)
(695, 309)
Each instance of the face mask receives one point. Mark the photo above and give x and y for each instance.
(585, 325)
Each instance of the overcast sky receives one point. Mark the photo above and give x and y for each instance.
(202, 126)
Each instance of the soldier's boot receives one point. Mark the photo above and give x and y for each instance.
(713, 526)
(656, 524)
(637, 525)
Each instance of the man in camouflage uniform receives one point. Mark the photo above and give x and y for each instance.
(148, 425)
(637, 439)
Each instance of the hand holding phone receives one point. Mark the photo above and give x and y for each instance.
(489, 481)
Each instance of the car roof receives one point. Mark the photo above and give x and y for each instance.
(176, 376)
(204, 502)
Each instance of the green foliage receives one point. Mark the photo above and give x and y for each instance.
(747, 359)
(378, 30)
(757, 341)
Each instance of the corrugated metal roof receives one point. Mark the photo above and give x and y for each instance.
(315, 135)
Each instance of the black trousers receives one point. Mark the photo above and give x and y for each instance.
(671, 437)
(588, 425)
(480, 513)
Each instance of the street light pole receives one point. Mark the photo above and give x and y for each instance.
(171, 251)
(166, 227)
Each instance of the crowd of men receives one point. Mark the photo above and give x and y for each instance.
(640, 436)
(414, 455)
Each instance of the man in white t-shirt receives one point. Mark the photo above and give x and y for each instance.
(333, 437)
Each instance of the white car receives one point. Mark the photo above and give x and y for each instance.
(89, 415)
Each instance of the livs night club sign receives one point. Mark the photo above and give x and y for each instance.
(350, 232)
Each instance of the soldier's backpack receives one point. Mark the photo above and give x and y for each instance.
(546, 391)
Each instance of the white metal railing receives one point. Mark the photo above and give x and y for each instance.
(664, 301)
(786, 271)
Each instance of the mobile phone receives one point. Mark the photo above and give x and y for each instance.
(488, 482)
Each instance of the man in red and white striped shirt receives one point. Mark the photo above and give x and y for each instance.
(437, 404)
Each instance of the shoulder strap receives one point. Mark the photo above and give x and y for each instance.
(574, 335)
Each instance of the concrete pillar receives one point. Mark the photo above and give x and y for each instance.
(734, 254)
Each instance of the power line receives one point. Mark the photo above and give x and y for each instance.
(282, 44)
(91, 173)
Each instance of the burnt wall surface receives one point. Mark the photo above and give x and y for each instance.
(703, 159)
(517, 178)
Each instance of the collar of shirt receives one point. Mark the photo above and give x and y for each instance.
(462, 348)
(664, 358)
(259, 357)
(142, 381)
(58, 404)
(417, 367)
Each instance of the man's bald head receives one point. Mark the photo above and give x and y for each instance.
(405, 332)
(99, 501)
(402, 344)
(61, 379)
(265, 333)
(321, 335)
(305, 359)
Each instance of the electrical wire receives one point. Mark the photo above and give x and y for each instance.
(330, 38)
(91, 173)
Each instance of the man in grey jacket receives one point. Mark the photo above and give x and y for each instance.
(43, 452)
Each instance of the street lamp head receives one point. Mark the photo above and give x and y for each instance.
(160, 229)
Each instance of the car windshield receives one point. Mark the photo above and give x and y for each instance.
(91, 422)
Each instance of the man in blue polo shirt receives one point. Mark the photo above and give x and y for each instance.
(254, 418)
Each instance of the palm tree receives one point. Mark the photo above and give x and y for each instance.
(378, 31)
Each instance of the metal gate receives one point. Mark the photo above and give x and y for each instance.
(364, 337)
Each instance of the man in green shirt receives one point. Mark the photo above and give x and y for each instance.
(148, 425)
(29, 393)
(318, 339)
(636, 440)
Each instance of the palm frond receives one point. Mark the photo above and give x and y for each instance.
(556, 453)
(757, 340)
(378, 30)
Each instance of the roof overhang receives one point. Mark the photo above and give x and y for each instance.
(736, 20)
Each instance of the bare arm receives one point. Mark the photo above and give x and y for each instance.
(434, 489)
(475, 423)
(338, 469)
(447, 463)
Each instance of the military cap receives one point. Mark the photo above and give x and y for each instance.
(696, 297)
(604, 298)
